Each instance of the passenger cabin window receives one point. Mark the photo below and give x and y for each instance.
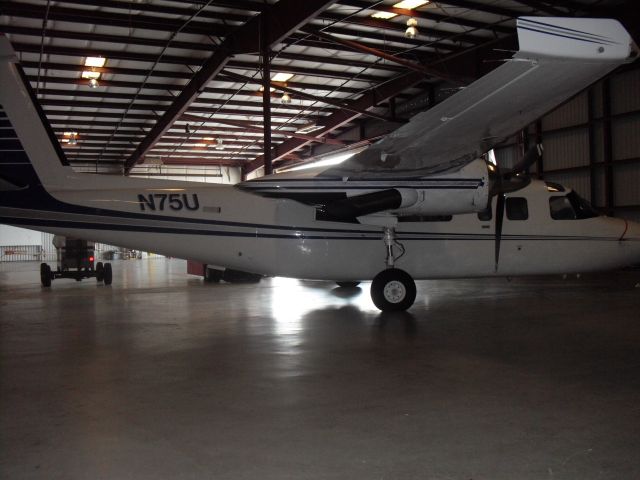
(570, 207)
(517, 208)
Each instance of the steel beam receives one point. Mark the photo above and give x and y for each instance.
(249, 127)
(337, 119)
(607, 147)
(223, 77)
(416, 67)
(265, 53)
(428, 15)
(326, 100)
(284, 17)
(193, 63)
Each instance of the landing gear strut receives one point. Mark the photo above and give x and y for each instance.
(392, 289)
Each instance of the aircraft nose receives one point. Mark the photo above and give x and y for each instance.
(631, 231)
(631, 239)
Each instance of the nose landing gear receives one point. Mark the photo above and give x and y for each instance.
(392, 289)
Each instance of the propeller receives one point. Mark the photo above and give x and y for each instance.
(510, 181)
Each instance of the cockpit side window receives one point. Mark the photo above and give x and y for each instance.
(517, 208)
(582, 208)
(570, 207)
(561, 208)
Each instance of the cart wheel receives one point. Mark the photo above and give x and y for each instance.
(45, 275)
(99, 271)
(107, 275)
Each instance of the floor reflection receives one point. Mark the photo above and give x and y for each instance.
(387, 320)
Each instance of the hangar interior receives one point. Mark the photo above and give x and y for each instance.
(164, 376)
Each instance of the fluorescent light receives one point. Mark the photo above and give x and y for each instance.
(70, 134)
(310, 127)
(282, 77)
(333, 160)
(410, 4)
(90, 74)
(384, 15)
(95, 62)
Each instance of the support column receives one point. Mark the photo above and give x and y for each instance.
(592, 146)
(607, 147)
(540, 162)
(266, 93)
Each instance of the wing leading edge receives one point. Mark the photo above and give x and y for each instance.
(557, 58)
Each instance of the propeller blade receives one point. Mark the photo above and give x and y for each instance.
(530, 157)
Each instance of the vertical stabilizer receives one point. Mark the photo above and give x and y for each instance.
(27, 142)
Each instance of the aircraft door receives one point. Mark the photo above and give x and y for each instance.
(513, 236)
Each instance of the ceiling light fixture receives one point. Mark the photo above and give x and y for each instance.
(411, 31)
(219, 145)
(282, 77)
(93, 83)
(90, 74)
(72, 138)
(384, 15)
(310, 127)
(410, 4)
(187, 129)
(286, 98)
(96, 62)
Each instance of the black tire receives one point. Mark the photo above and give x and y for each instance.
(348, 284)
(45, 275)
(99, 272)
(393, 290)
(108, 274)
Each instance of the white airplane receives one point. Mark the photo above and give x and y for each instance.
(419, 204)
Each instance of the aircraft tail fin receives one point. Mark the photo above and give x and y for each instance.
(30, 154)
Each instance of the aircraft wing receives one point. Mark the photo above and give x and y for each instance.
(557, 58)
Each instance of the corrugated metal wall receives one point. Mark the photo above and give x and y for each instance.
(592, 144)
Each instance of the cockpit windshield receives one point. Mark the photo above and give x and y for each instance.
(571, 207)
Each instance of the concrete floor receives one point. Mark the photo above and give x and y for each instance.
(161, 376)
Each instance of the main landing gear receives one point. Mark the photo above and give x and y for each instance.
(393, 289)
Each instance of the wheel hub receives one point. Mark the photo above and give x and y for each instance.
(394, 291)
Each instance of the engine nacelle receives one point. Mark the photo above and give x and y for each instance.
(464, 191)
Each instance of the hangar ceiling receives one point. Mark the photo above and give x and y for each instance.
(183, 83)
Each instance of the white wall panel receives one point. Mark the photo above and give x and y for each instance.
(625, 92)
(598, 142)
(507, 156)
(596, 91)
(574, 112)
(634, 216)
(625, 137)
(600, 199)
(578, 181)
(566, 149)
(626, 181)
(18, 236)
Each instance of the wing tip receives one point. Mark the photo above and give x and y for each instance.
(584, 39)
